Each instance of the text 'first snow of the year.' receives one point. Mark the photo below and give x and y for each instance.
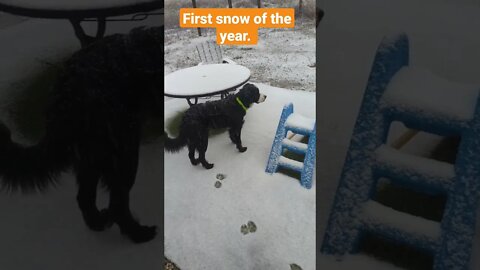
(237, 26)
(236, 20)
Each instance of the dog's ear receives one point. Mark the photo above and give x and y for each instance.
(242, 92)
(249, 93)
(249, 86)
(245, 88)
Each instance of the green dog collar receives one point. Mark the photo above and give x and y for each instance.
(241, 104)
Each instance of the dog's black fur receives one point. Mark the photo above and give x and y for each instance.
(224, 113)
(93, 125)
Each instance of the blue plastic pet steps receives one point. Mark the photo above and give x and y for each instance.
(299, 125)
(398, 92)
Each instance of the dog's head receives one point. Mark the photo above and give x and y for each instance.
(144, 47)
(250, 94)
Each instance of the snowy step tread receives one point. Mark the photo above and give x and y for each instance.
(430, 172)
(294, 144)
(298, 121)
(401, 226)
(290, 163)
(419, 91)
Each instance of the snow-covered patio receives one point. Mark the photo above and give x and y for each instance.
(202, 222)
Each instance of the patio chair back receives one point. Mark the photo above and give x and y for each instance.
(209, 52)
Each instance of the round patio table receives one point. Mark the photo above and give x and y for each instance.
(77, 11)
(205, 80)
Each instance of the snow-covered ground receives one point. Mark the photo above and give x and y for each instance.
(443, 39)
(46, 231)
(202, 222)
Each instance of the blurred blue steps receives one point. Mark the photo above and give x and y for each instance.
(422, 101)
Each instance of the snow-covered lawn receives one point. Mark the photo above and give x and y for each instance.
(202, 222)
(283, 57)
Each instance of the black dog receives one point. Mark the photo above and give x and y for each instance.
(93, 125)
(225, 113)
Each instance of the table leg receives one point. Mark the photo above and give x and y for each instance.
(224, 95)
(190, 103)
(82, 36)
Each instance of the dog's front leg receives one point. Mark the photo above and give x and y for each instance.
(235, 135)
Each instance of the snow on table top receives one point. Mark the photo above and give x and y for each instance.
(420, 90)
(205, 79)
(299, 121)
(202, 223)
(73, 4)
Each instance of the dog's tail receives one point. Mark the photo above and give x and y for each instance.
(175, 144)
(31, 168)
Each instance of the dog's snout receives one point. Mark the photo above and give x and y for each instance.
(261, 98)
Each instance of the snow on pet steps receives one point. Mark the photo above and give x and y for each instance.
(296, 120)
(204, 222)
(349, 262)
(439, 173)
(290, 163)
(419, 90)
(376, 215)
(295, 144)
